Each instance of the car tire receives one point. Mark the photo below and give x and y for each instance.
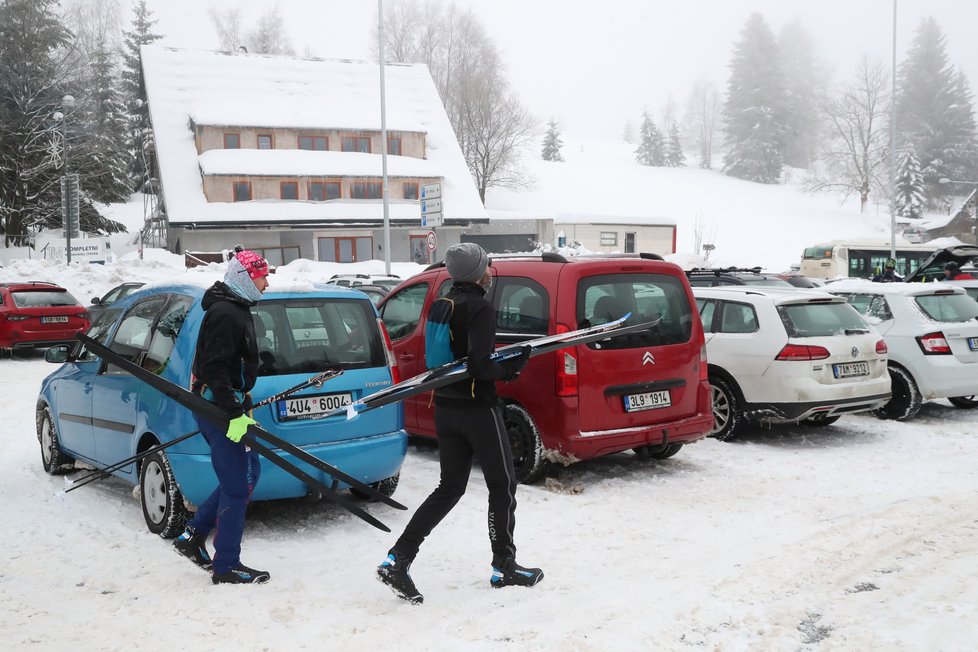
(727, 417)
(525, 442)
(818, 422)
(387, 487)
(964, 402)
(54, 460)
(162, 502)
(906, 400)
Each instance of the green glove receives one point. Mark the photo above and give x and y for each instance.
(238, 426)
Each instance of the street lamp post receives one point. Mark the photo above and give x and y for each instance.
(68, 103)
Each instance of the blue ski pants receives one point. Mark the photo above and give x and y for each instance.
(223, 512)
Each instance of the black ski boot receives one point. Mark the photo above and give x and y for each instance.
(509, 573)
(395, 573)
(193, 546)
(241, 574)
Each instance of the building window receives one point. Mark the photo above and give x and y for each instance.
(356, 144)
(420, 253)
(289, 190)
(394, 146)
(324, 190)
(609, 238)
(265, 141)
(366, 190)
(232, 141)
(242, 191)
(410, 191)
(316, 143)
(345, 249)
(278, 255)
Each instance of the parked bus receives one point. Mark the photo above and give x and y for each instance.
(860, 258)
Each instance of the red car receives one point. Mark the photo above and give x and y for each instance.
(36, 313)
(648, 392)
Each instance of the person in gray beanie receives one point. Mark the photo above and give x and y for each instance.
(468, 423)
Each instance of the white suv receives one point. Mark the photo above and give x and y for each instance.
(389, 281)
(932, 335)
(788, 356)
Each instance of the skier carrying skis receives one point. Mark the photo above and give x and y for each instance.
(225, 367)
(469, 423)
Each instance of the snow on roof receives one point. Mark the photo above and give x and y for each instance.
(907, 289)
(252, 90)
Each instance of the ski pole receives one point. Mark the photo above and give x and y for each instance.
(98, 474)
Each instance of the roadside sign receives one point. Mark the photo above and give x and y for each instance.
(429, 206)
(431, 240)
(432, 219)
(431, 191)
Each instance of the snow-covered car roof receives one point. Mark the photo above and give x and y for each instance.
(778, 295)
(904, 289)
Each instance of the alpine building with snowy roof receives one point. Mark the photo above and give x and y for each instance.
(284, 156)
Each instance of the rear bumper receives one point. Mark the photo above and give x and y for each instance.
(594, 443)
(794, 412)
(369, 459)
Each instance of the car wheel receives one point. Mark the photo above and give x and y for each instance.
(161, 499)
(819, 421)
(386, 486)
(54, 460)
(906, 399)
(726, 410)
(524, 440)
(964, 402)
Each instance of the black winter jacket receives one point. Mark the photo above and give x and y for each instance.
(227, 351)
(473, 327)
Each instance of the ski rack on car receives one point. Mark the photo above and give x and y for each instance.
(553, 257)
(723, 270)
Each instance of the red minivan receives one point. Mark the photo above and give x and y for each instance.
(648, 391)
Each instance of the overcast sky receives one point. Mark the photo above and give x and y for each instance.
(594, 65)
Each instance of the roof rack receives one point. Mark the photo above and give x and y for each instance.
(545, 256)
(5, 283)
(723, 270)
(645, 255)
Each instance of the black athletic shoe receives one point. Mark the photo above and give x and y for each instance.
(193, 546)
(509, 573)
(241, 574)
(394, 572)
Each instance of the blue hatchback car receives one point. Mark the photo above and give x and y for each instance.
(95, 413)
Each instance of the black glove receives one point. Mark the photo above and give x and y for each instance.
(514, 365)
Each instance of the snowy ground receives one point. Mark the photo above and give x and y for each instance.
(858, 536)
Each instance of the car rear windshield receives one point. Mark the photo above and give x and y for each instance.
(948, 307)
(601, 299)
(314, 334)
(42, 298)
(821, 319)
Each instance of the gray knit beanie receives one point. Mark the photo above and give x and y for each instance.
(466, 261)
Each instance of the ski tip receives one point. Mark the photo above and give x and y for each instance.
(68, 482)
(61, 495)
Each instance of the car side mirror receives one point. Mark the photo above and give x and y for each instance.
(57, 354)
(95, 301)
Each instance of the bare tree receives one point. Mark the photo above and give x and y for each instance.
(857, 154)
(94, 22)
(702, 121)
(468, 73)
(268, 36)
(230, 32)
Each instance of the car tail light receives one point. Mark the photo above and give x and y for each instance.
(934, 344)
(389, 352)
(704, 371)
(566, 368)
(6, 316)
(881, 347)
(795, 352)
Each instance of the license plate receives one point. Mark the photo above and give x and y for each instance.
(311, 407)
(973, 343)
(850, 369)
(60, 319)
(647, 401)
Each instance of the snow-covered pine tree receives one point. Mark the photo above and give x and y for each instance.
(658, 147)
(35, 65)
(804, 84)
(932, 112)
(675, 158)
(645, 153)
(552, 143)
(133, 97)
(754, 109)
(909, 197)
(628, 133)
(103, 159)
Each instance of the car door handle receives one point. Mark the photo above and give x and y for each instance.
(88, 388)
(407, 356)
